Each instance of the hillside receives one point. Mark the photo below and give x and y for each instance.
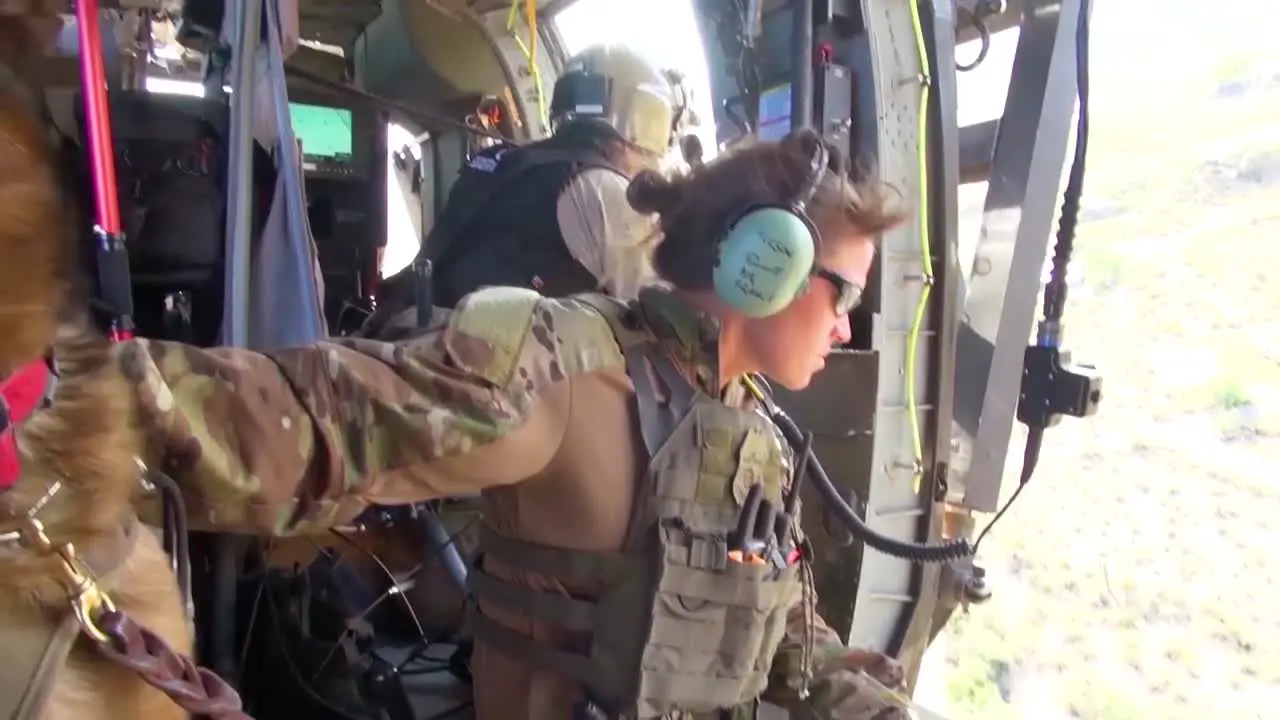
(1136, 578)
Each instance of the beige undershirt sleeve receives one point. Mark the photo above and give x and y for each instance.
(605, 234)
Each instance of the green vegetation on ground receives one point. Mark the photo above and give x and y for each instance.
(1138, 578)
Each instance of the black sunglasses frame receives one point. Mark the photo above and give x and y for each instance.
(848, 292)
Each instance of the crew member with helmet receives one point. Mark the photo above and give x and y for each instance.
(619, 448)
(552, 215)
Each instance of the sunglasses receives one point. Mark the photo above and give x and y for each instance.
(848, 293)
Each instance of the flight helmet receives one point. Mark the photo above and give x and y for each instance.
(615, 86)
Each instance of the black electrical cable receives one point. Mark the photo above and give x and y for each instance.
(277, 618)
(1055, 291)
(731, 112)
(839, 507)
(749, 85)
(984, 38)
(395, 583)
(306, 686)
(733, 31)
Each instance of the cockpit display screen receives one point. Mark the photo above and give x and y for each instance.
(775, 113)
(325, 133)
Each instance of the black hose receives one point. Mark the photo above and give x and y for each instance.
(1055, 291)
(834, 503)
(984, 39)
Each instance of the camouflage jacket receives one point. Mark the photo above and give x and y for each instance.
(299, 440)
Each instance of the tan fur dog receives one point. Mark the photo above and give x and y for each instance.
(82, 443)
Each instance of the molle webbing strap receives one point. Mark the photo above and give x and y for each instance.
(662, 394)
(533, 653)
(561, 610)
(576, 566)
(36, 651)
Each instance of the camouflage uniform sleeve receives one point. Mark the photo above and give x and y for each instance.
(298, 440)
(839, 687)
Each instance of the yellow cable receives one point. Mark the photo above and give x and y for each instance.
(531, 17)
(926, 262)
(530, 50)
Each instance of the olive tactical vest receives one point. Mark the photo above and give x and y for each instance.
(677, 626)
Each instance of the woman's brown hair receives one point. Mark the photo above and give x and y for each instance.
(696, 210)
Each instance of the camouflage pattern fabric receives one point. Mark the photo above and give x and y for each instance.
(840, 688)
(297, 441)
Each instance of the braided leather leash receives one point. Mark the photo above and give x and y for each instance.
(195, 689)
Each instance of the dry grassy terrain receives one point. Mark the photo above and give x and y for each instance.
(1138, 577)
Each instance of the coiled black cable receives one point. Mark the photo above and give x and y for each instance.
(831, 499)
(839, 508)
(984, 39)
(1055, 291)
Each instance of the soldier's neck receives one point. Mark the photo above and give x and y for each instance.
(733, 361)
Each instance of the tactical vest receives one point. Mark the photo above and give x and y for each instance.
(676, 626)
(499, 226)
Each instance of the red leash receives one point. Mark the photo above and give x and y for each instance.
(111, 253)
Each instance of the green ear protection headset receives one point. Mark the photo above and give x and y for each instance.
(768, 252)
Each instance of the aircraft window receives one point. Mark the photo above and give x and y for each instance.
(169, 86)
(664, 30)
(324, 132)
(403, 234)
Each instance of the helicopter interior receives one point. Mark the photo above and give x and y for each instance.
(364, 623)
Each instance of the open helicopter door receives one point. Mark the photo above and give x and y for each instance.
(880, 411)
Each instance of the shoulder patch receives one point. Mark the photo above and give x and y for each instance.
(570, 338)
(500, 333)
(487, 331)
(483, 163)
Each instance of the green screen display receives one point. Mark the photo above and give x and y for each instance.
(325, 132)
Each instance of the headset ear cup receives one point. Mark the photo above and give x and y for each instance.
(764, 261)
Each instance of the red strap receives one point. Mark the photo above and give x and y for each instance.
(10, 467)
(20, 395)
